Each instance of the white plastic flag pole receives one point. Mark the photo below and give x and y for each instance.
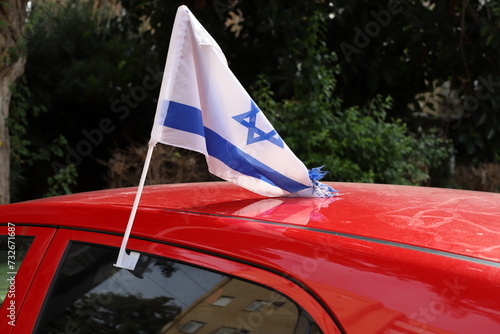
(128, 261)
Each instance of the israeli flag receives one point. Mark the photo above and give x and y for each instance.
(204, 108)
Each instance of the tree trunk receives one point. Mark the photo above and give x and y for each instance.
(12, 60)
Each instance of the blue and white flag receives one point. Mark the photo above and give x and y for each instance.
(204, 108)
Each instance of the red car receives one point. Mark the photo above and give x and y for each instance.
(216, 258)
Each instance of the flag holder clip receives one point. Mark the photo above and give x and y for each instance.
(127, 261)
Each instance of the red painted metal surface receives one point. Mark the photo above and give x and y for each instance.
(463, 222)
(382, 259)
(20, 281)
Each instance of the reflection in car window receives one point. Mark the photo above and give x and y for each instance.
(90, 295)
(12, 253)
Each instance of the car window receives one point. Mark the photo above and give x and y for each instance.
(13, 249)
(91, 295)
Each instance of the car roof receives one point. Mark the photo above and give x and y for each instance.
(454, 221)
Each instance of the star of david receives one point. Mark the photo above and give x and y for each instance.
(248, 119)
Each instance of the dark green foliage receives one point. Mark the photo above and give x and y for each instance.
(423, 45)
(355, 144)
(27, 152)
(83, 68)
(358, 144)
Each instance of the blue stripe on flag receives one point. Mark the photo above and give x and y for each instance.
(245, 164)
(187, 118)
(183, 117)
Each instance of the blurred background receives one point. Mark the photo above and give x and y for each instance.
(400, 92)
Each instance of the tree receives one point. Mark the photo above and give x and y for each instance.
(84, 69)
(356, 144)
(88, 74)
(405, 48)
(12, 61)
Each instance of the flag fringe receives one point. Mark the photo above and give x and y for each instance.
(320, 189)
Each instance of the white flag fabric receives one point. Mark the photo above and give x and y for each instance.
(204, 108)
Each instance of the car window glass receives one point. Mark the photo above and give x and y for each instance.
(90, 295)
(13, 249)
